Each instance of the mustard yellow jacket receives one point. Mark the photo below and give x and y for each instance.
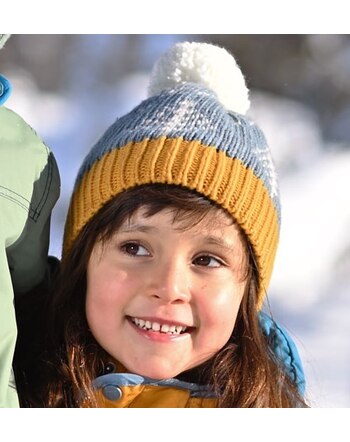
(127, 390)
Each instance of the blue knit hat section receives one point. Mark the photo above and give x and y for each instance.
(192, 112)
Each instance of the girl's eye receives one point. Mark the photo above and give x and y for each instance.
(207, 261)
(135, 249)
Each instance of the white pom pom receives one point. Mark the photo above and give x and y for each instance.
(3, 39)
(205, 64)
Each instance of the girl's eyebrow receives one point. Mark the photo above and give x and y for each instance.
(220, 242)
(137, 228)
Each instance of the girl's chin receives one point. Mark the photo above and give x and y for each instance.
(155, 369)
(156, 374)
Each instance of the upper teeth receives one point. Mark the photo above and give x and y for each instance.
(163, 328)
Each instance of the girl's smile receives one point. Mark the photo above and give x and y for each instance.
(160, 326)
(160, 331)
(162, 298)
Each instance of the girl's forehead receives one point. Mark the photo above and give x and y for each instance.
(212, 220)
(214, 214)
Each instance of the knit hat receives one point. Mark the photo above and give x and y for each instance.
(190, 132)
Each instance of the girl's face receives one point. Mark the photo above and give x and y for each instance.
(162, 299)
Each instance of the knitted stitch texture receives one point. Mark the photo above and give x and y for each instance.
(184, 136)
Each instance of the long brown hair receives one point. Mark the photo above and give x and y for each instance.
(245, 373)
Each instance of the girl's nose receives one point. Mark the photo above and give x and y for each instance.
(170, 282)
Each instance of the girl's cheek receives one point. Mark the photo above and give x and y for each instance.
(220, 300)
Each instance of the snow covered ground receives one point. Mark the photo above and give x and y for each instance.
(310, 288)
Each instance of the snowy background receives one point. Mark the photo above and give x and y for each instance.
(71, 88)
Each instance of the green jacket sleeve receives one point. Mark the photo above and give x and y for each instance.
(29, 188)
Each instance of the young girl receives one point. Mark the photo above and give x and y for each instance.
(168, 251)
